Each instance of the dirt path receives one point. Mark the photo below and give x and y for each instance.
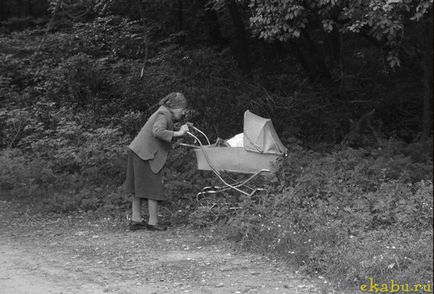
(74, 255)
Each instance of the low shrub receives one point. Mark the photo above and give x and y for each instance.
(346, 215)
(405, 256)
(34, 183)
(65, 161)
(74, 102)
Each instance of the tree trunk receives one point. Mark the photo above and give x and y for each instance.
(181, 37)
(3, 10)
(211, 21)
(29, 7)
(240, 42)
(336, 44)
(213, 27)
(21, 8)
(180, 15)
(136, 9)
(427, 97)
(310, 58)
(427, 65)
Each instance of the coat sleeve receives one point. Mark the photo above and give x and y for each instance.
(159, 129)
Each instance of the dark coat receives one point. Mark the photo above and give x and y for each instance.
(154, 140)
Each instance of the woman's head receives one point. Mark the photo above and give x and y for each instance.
(176, 102)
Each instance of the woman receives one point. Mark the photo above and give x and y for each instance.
(147, 157)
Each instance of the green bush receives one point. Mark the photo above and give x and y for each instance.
(33, 182)
(65, 161)
(25, 177)
(331, 214)
(74, 102)
(404, 256)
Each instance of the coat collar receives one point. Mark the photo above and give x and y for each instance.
(166, 111)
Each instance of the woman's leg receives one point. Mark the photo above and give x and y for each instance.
(153, 212)
(137, 209)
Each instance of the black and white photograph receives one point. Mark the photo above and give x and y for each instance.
(216, 146)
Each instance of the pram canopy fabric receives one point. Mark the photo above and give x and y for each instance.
(260, 135)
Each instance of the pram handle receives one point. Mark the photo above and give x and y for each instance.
(189, 145)
(234, 186)
(190, 125)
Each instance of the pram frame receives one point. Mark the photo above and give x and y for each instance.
(217, 189)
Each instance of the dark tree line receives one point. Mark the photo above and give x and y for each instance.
(332, 42)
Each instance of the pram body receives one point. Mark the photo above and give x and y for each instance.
(235, 159)
(261, 148)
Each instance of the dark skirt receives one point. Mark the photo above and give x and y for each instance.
(142, 181)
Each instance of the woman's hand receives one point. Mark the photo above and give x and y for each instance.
(182, 130)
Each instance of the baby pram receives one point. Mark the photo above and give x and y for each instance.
(261, 147)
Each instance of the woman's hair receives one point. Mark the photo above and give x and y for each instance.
(174, 100)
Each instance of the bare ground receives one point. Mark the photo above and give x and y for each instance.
(78, 254)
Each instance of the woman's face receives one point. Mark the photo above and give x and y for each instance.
(178, 113)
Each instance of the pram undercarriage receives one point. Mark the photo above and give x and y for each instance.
(262, 147)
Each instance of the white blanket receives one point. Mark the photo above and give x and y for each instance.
(236, 141)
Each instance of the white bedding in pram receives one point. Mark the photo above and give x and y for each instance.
(236, 141)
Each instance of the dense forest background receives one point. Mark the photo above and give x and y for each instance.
(347, 84)
(326, 71)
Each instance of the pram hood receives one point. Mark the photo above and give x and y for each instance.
(260, 135)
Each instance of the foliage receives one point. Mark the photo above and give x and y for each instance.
(383, 20)
(65, 161)
(73, 98)
(15, 14)
(114, 61)
(333, 214)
